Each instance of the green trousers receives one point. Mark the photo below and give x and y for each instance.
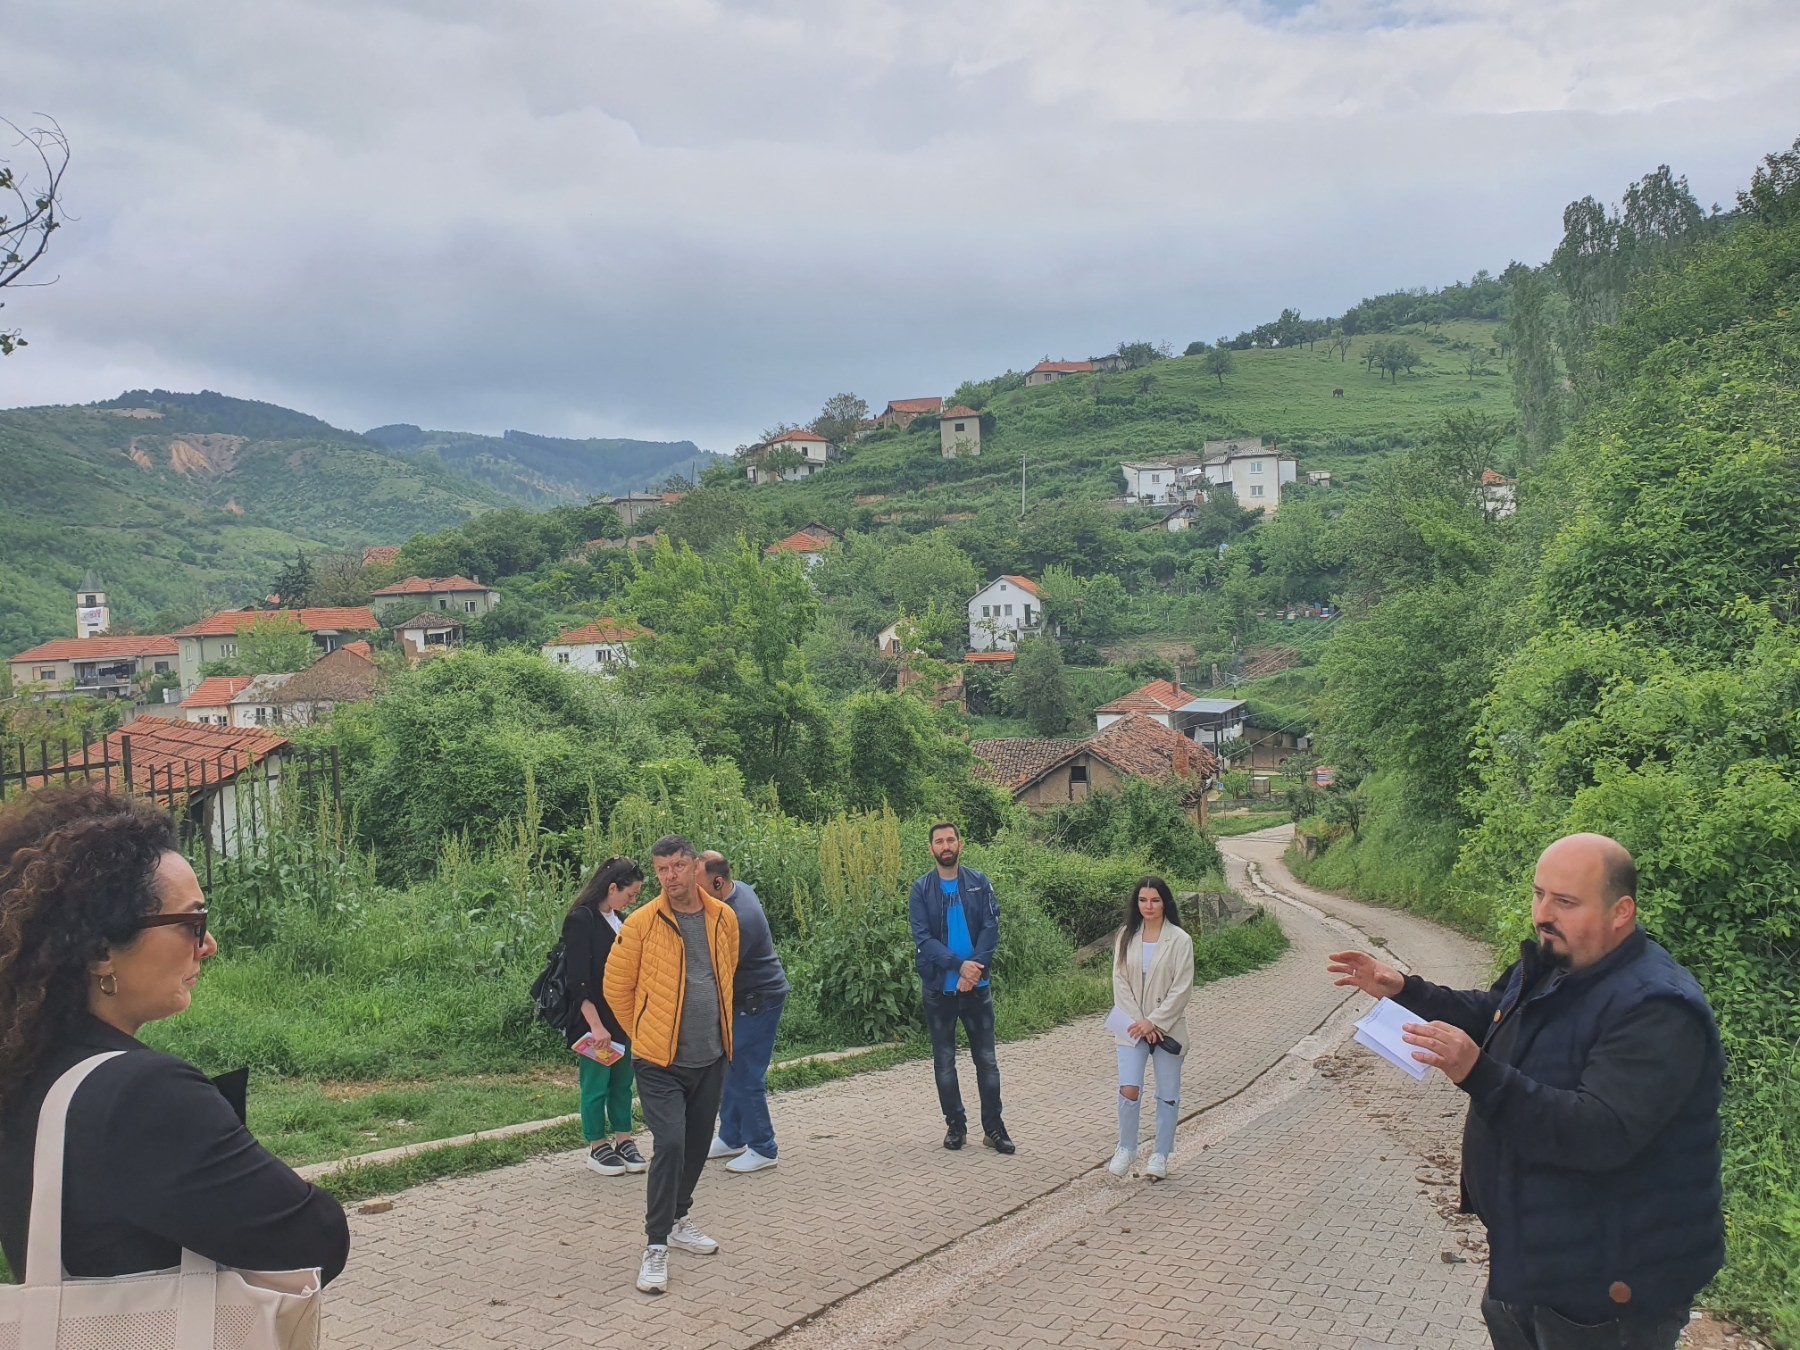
(605, 1094)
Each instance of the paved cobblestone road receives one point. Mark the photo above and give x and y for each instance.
(1308, 1204)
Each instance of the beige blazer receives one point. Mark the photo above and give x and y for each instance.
(1162, 994)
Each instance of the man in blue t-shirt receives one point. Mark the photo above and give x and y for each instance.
(955, 928)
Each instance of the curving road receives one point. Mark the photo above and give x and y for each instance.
(1311, 1201)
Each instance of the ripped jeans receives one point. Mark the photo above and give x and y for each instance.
(1133, 1059)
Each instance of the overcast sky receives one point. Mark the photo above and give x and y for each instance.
(691, 219)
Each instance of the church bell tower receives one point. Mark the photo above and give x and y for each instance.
(92, 615)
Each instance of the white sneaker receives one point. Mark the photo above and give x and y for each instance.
(749, 1161)
(653, 1274)
(1121, 1161)
(690, 1239)
(1157, 1169)
(721, 1149)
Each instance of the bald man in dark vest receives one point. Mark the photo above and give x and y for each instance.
(1591, 1150)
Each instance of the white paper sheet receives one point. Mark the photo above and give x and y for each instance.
(1119, 1024)
(1379, 1030)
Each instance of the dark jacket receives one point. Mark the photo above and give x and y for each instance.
(759, 970)
(159, 1160)
(1591, 1149)
(925, 910)
(587, 942)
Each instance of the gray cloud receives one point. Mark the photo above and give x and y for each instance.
(693, 218)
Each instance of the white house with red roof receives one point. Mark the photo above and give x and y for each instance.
(1499, 494)
(1207, 721)
(811, 541)
(1049, 372)
(99, 667)
(1003, 613)
(790, 457)
(210, 702)
(460, 596)
(602, 647)
(215, 637)
(959, 431)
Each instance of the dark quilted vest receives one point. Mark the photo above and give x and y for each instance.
(1645, 1237)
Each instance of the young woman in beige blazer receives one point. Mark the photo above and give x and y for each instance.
(1153, 978)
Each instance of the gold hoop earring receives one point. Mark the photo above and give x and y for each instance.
(105, 980)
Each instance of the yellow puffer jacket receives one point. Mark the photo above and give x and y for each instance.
(646, 975)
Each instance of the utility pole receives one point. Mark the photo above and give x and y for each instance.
(1021, 487)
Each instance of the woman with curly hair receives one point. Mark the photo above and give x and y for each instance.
(102, 931)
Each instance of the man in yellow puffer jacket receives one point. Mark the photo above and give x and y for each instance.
(668, 980)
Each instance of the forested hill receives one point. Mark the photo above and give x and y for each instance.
(546, 470)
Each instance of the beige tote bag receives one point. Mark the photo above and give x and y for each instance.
(197, 1306)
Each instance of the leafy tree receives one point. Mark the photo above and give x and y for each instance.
(1197, 349)
(515, 623)
(924, 571)
(1140, 354)
(1773, 196)
(1038, 688)
(1076, 533)
(274, 644)
(1535, 387)
(36, 210)
(841, 417)
(710, 520)
(1218, 363)
(340, 579)
(294, 583)
(1141, 819)
(890, 738)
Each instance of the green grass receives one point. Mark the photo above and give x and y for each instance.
(1226, 826)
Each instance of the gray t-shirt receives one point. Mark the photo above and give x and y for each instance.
(698, 1042)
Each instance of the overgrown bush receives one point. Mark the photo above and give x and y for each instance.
(1141, 819)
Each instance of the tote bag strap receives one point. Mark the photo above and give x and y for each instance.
(43, 1248)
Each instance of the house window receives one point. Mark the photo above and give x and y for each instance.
(469, 606)
(987, 611)
(228, 649)
(962, 426)
(1156, 478)
(90, 600)
(47, 674)
(562, 658)
(443, 603)
(1009, 611)
(1256, 466)
(1256, 490)
(162, 667)
(1078, 778)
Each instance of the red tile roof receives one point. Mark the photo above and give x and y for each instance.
(1023, 583)
(982, 658)
(1135, 745)
(914, 405)
(958, 411)
(1159, 696)
(601, 630)
(98, 649)
(379, 555)
(216, 691)
(801, 541)
(1061, 367)
(431, 586)
(1013, 761)
(798, 434)
(329, 619)
(1491, 479)
(343, 676)
(431, 618)
(362, 649)
(169, 759)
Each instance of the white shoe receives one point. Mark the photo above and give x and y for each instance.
(690, 1239)
(653, 1274)
(1157, 1169)
(721, 1149)
(1121, 1161)
(749, 1161)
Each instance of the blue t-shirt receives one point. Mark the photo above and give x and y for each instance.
(956, 932)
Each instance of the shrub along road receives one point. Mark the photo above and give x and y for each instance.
(1306, 1203)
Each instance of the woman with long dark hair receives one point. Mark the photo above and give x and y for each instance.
(588, 931)
(1153, 978)
(102, 931)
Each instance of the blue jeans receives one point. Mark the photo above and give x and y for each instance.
(975, 1010)
(1133, 1059)
(744, 1110)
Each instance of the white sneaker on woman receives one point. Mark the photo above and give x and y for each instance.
(1157, 1169)
(1121, 1161)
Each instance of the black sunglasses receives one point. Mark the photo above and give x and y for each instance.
(193, 918)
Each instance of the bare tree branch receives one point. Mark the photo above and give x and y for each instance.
(26, 228)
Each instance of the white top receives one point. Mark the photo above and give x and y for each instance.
(612, 917)
(1157, 987)
(1149, 955)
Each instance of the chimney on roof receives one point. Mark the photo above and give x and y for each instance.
(1182, 766)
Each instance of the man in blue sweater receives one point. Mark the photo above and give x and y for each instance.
(955, 928)
(1591, 1152)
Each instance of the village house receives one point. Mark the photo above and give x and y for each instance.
(1499, 494)
(810, 541)
(1003, 612)
(300, 699)
(99, 667)
(1173, 478)
(1113, 364)
(1255, 473)
(1207, 721)
(1049, 372)
(1044, 774)
(902, 412)
(215, 637)
(634, 506)
(959, 432)
(808, 451)
(1177, 518)
(460, 596)
(428, 634)
(602, 647)
(209, 703)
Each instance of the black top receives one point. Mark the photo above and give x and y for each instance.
(157, 1159)
(587, 942)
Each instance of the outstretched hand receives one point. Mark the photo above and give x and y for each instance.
(1362, 971)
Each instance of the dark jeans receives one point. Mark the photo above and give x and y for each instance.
(744, 1110)
(680, 1106)
(975, 1010)
(1514, 1326)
